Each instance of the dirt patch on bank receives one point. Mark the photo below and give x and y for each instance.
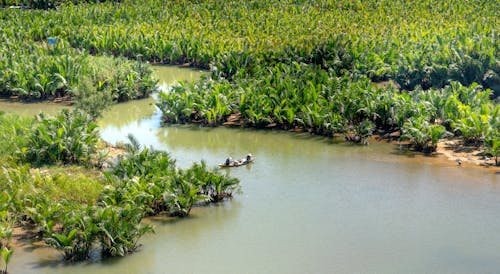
(450, 149)
(455, 150)
(114, 152)
(25, 236)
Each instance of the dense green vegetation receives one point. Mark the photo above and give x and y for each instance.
(323, 82)
(426, 43)
(288, 64)
(5, 236)
(72, 208)
(32, 69)
(13, 134)
(428, 68)
(69, 138)
(44, 4)
(164, 188)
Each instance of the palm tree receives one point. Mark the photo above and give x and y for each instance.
(423, 135)
(120, 228)
(77, 235)
(492, 144)
(70, 137)
(6, 255)
(211, 183)
(183, 195)
(5, 236)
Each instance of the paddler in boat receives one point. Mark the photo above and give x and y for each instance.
(248, 159)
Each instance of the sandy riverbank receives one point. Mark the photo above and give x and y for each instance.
(454, 150)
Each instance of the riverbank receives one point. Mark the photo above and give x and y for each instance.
(454, 150)
(451, 150)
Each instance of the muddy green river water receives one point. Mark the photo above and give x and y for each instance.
(308, 206)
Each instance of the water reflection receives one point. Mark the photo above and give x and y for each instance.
(173, 75)
(30, 109)
(124, 114)
(141, 111)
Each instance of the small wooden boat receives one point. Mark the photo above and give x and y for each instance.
(237, 163)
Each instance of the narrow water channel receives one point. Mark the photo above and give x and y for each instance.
(308, 206)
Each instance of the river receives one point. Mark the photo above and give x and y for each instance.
(308, 206)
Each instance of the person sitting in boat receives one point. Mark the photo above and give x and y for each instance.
(229, 161)
(249, 158)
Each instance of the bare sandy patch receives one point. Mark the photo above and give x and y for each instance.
(455, 150)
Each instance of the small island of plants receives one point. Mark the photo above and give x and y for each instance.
(55, 188)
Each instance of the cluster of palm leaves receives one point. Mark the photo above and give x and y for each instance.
(325, 87)
(68, 138)
(149, 177)
(31, 68)
(68, 225)
(456, 110)
(306, 97)
(422, 43)
(71, 226)
(117, 229)
(44, 4)
(297, 96)
(112, 217)
(5, 236)
(14, 132)
(106, 210)
(263, 62)
(300, 95)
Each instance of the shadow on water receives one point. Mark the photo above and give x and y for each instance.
(123, 114)
(54, 263)
(173, 74)
(403, 150)
(52, 259)
(198, 213)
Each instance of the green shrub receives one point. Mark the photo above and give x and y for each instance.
(70, 137)
(14, 132)
(423, 135)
